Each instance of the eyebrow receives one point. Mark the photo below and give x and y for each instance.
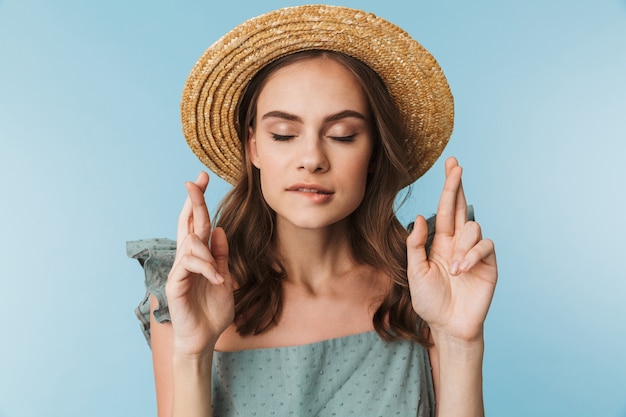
(332, 118)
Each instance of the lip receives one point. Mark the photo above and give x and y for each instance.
(315, 193)
(310, 188)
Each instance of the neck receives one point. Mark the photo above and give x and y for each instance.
(314, 258)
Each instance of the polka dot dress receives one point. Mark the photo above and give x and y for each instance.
(358, 375)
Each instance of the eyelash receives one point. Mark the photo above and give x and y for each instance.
(349, 138)
(284, 138)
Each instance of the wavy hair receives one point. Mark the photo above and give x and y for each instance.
(377, 237)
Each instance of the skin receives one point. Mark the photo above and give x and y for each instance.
(303, 138)
(451, 289)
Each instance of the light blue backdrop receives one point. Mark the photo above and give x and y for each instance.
(92, 155)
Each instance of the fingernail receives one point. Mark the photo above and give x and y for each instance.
(219, 278)
(465, 265)
(454, 268)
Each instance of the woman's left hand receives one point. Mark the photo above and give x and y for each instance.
(452, 287)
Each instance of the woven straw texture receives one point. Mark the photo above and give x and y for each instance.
(411, 74)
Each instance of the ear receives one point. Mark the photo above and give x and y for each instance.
(252, 150)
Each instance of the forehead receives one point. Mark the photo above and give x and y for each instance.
(311, 80)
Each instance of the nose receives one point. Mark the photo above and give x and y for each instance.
(313, 156)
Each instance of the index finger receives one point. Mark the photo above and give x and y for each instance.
(461, 204)
(194, 216)
(452, 209)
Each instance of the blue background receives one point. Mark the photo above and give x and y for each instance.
(92, 155)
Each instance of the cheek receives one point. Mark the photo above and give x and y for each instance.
(269, 175)
(267, 155)
(355, 171)
(360, 165)
(269, 166)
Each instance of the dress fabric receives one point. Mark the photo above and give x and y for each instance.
(359, 375)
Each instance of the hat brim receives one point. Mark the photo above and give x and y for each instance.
(412, 76)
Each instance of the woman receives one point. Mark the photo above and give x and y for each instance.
(310, 298)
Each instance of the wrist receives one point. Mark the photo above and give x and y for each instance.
(191, 356)
(192, 369)
(461, 348)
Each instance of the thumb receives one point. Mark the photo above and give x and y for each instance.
(417, 260)
(219, 250)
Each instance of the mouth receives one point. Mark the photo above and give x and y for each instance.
(311, 190)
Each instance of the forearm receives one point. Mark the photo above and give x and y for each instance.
(459, 391)
(192, 386)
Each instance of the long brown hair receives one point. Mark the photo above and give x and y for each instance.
(378, 239)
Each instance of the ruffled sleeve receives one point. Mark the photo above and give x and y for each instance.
(156, 256)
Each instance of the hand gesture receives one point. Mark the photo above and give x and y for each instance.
(452, 287)
(199, 287)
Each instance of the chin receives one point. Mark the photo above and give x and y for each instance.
(314, 223)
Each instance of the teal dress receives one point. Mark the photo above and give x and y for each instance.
(359, 375)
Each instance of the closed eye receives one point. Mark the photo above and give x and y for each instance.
(282, 138)
(349, 138)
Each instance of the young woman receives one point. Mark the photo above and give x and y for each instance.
(310, 298)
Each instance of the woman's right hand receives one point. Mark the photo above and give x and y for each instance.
(199, 287)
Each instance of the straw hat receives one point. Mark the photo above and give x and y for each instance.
(411, 74)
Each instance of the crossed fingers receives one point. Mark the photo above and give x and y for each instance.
(469, 246)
